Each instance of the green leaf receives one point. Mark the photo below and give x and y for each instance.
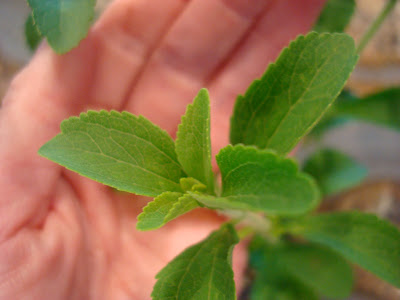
(382, 108)
(322, 269)
(193, 146)
(334, 171)
(316, 267)
(32, 34)
(260, 180)
(165, 208)
(372, 243)
(331, 119)
(202, 271)
(281, 107)
(335, 16)
(121, 150)
(63, 22)
(282, 288)
(272, 281)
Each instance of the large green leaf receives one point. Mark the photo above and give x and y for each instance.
(118, 149)
(32, 34)
(335, 16)
(281, 107)
(272, 281)
(319, 267)
(372, 243)
(334, 171)
(63, 22)
(260, 180)
(201, 272)
(193, 146)
(316, 267)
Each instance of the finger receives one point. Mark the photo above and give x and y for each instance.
(52, 88)
(125, 37)
(200, 40)
(282, 23)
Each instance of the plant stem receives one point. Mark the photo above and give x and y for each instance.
(257, 222)
(375, 25)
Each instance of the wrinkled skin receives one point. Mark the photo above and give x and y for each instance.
(63, 236)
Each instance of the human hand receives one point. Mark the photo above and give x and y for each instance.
(63, 236)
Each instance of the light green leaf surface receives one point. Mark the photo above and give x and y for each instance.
(335, 16)
(318, 267)
(165, 208)
(281, 107)
(63, 22)
(334, 171)
(193, 146)
(260, 180)
(372, 243)
(32, 34)
(121, 150)
(201, 272)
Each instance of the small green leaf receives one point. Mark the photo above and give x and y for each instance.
(63, 22)
(121, 150)
(202, 271)
(165, 208)
(32, 34)
(335, 16)
(281, 107)
(334, 171)
(372, 243)
(193, 146)
(260, 180)
(193, 185)
(316, 266)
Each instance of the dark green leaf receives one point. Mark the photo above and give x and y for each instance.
(281, 107)
(272, 281)
(201, 272)
(193, 146)
(285, 288)
(324, 270)
(372, 243)
(63, 22)
(335, 16)
(121, 150)
(32, 34)
(334, 171)
(382, 108)
(260, 180)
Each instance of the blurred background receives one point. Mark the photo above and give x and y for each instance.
(375, 147)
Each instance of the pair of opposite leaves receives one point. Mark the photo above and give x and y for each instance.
(134, 155)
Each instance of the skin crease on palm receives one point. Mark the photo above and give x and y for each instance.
(63, 236)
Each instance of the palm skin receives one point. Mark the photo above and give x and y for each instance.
(63, 236)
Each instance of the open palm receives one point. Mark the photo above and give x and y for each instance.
(63, 236)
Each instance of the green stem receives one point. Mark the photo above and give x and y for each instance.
(249, 219)
(375, 25)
